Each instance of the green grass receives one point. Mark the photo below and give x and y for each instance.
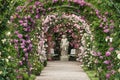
(91, 74)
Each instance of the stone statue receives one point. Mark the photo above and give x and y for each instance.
(64, 48)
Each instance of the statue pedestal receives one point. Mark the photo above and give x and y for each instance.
(64, 58)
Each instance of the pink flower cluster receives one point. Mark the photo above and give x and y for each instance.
(80, 2)
(24, 43)
(24, 25)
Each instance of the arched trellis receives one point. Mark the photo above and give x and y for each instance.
(79, 24)
(27, 23)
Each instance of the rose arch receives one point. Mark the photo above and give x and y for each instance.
(75, 26)
(33, 21)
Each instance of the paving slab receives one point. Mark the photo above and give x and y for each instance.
(63, 70)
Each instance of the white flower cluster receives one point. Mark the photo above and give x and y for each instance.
(8, 33)
(42, 50)
(6, 59)
(4, 40)
(1, 72)
(108, 38)
(118, 54)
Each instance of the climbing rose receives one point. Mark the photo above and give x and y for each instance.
(26, 55)
(95, 53)
(107, 53)
(99, 53)
(20, 36)
(97, 12)
(106, 30)
(111, 27)
(21, 21)
(22, 46)
(37, 16)
(25, 24)
(16, 47)
(30, 45)
(109, 67)
(106, 13)
(75, 1)
(25, 50)
(96, 61)
(28, 41)
(111, 49)
(108, 75)
(11, 18)
(37, 3)
(15, 41)
(20, 62)
(16, 32)
(113, 71)
(118, 56)
(101, 57)
(54, 1)
(106, 62)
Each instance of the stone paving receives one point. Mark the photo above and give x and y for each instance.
(63, 70)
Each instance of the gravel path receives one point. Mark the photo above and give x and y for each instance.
(58, 70)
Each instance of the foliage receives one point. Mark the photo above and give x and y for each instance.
(19, 53)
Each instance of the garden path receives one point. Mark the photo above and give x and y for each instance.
(59, 70)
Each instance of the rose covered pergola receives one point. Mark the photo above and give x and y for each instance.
(90, 29)
(72, 25)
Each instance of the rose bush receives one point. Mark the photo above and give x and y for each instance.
(99, 41)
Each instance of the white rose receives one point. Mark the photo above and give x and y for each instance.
(9, 57)
(10, 43)
(3, 41)
(88, 49)
(106, 40)
(117, 51)
(6, 60)
(31, 38)
(0, 72)
(87, 45)
(8, 33)
(118, 56)
(87, 38)
(119, 70)
(111, 39)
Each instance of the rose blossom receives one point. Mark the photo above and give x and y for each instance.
(54, 1)
(16, 32)
(26, 55)
(106, 62)
(20, 36)
(108, 75)
(101, 57)
(111, 49)
(106, 30)
(107, 53)
(20, 62)
(25, 50)
(99, 53)
(22, 46)
(15, 41)
(113, 72)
